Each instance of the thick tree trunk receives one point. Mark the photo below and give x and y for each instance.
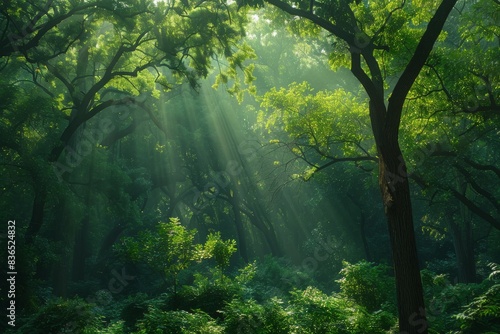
(395, 190)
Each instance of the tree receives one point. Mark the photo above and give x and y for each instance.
(117, 51)
(43, 32)
(450, 132)
(369, 32)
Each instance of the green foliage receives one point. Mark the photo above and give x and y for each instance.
(220, 250)
(276, 277)
(169, 250)
(113, 328)
(243, 316)
(133, 310)
(63, 316)
(208, 295)
(482, 315)
(249, 317)
(368, 285)
(314, 313)
(447, 302)
(177, 322)
(316, 126)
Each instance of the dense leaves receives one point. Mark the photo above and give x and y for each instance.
(115, 117)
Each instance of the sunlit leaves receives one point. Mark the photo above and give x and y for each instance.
(220, 250)
(171, 248)
(168, 250)
(332, 122)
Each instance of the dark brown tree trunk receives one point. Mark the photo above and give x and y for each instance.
(461, 231)
(395, 190)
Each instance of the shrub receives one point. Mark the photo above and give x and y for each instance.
(177, 322)
(60, 316)
(248, 317)
(244, 317)
(368, 285)
(208, 295)
(315, 312)
(277, 320)
(483, 314)
(445, 300)
(133, 310)
(277, 277)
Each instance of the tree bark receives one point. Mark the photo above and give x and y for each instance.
(398, 209)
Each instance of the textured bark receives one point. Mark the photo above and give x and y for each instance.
(397, 203)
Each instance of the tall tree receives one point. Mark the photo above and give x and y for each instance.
(372, 32)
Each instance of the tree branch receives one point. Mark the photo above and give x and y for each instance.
(414, 67)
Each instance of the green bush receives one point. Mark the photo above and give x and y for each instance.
(208, 295)
(276, 277)
(134, 308)
(249, 317)
(177, 322)
(444, 300)
(314, 312)
(113, 328)
(368, 285)
(277, 320)
(60, 316)
(244, 317)
(483, 314)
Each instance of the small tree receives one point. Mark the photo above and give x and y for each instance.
(171, 249)
(168, 250)
(220, 250)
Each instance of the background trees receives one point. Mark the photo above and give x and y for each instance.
(364, 37)
(109, 132)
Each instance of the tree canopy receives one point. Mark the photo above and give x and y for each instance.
(271, 166)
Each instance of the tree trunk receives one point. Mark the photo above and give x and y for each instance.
(242, 244)
(362, 226)
(464, 251)
(463, 241)
(36, 213)
(395, 190)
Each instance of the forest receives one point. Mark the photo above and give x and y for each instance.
(250, 166)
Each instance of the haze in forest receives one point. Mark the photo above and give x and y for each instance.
(250, 166)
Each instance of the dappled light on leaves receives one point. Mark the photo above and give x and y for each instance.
(262, 166)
